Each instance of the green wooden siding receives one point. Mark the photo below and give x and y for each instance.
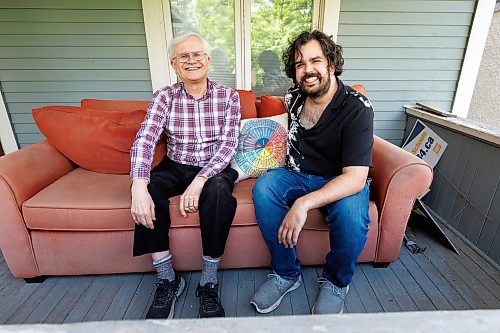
(59, 52)
(404, 52)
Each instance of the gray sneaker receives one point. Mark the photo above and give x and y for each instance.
(270, 293)
(330, 299)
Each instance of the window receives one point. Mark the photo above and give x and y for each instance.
(273, 26)
(239, 31)
(214, 20)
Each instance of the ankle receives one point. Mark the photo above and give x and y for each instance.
(209, 270)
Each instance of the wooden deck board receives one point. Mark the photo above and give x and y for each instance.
(430, 290)
(454, 279)
(123, 297)
(140, 300)
(398, 291)
(190, 306)
(353, 302)
(410, 286)
(70, 299)
(445, 287)
(386, 298)
(12, 303)
(245, 290)
(228, 289)
(435, 280)
(48, 303)
(86, 302)
(105, 298)
(33, 301)
(369, 299)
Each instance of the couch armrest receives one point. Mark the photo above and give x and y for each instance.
(398, 179)
(23, 174)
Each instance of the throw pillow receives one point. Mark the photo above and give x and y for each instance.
(270, 106)
(247, 103)
(359, 88)
(262, 145)
(96, 140)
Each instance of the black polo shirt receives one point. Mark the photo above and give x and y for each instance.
(343, 136)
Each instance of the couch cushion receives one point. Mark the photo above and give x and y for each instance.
(81, 200)
(92, 201)
(102, 203)
(97, 140)
(245, 214)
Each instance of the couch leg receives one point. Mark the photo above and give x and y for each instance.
(36, 279)
(380, 264)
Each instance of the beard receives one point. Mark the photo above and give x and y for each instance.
(320, 90)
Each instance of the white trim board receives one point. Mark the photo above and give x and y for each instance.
(158, 31)
(330, 9)
(7, 137)
(473, 55)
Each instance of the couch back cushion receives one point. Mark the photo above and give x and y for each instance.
(247, 102)
(270, 106)
(97, 140)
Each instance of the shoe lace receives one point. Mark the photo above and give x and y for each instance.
(164, 293)
(324, 283)
(283, 284)
(209, 297)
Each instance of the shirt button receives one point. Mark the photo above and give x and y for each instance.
(303, 157)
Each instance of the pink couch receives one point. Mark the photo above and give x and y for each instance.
(60, 219)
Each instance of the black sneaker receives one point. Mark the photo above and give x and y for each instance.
(210, 305)
(165, 297)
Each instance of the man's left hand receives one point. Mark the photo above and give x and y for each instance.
(188, 203)
(292, 225)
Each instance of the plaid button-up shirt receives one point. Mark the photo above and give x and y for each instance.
(200, 132)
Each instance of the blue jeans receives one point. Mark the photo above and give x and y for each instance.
(273, 195)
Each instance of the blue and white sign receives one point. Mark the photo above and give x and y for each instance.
(424, 143)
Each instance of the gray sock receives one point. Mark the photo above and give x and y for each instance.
(165, 269)
(209, 271)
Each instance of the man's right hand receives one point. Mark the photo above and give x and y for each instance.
(143, 207)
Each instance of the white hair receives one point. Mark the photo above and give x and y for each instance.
(183, 36)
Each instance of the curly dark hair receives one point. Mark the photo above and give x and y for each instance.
(332, 51)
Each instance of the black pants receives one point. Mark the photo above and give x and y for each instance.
(217, 207)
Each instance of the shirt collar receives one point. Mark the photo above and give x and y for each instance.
(337, 100)
(339, 97)
(207, 94)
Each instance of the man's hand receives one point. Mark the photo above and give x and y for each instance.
(188, 203)
(292, 224)
(143, 207)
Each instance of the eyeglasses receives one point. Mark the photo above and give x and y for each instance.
(184, 57)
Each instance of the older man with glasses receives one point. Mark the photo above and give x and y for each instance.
(200, 119)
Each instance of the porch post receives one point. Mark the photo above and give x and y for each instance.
(7, 136)
(473, 55)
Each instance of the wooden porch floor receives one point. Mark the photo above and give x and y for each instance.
(435, 280)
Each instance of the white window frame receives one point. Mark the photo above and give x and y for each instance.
(7, 137)
(157, 24)
(472, 59)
